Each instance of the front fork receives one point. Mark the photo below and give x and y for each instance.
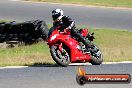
(60, 47)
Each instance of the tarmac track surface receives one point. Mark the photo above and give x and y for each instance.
(82, 15)
(59, 77)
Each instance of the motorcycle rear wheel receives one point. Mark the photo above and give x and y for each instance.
(58, 57)
(97, 56)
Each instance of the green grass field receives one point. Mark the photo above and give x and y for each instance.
(115, 45)
(25, 55)
(115, 3)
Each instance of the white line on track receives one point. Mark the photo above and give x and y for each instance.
(102, 63)
(73, 64)
(13, 0)
(13, 67)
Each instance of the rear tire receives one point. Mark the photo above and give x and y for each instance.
(97, 57)
(58, 57)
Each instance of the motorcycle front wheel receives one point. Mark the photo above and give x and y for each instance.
(61, 58)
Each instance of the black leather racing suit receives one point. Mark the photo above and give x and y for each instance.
(67, 22)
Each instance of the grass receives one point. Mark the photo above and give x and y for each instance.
(115, 45)
(25, 55)
(115, 3)
(4, 20)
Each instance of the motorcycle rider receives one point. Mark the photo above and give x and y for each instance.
(67, 24)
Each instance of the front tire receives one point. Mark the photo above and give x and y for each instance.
(58, 57)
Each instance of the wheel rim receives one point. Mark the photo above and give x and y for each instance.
(63, 57)
(97, 54)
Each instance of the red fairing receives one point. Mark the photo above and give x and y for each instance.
(76, 54)
(84, 32)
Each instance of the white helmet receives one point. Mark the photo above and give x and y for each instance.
(57, 14)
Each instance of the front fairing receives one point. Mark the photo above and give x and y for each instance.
(65, 38)
(52, 37)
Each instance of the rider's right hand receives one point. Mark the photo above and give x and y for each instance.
(66, 30)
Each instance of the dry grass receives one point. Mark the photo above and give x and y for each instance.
(26, 55)
(116, 45)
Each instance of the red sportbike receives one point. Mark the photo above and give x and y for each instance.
(66, 49)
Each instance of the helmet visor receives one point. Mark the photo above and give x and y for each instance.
(55, 17)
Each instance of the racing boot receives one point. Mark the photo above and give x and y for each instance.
(89, 47)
